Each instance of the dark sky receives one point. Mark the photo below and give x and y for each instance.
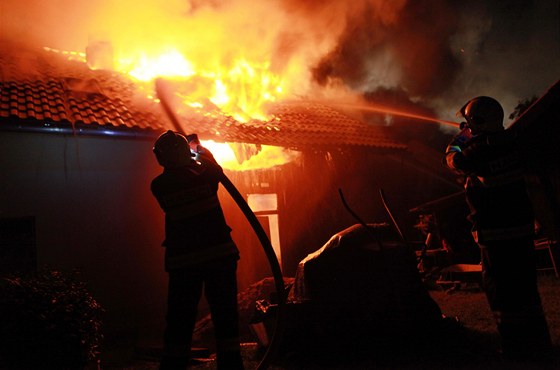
(439, 52)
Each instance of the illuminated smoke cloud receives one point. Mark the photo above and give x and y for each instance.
(439, 52)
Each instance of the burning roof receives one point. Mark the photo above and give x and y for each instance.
(42, 90)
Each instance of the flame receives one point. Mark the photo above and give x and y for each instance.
(245, 88)
(267, 157)
(240, 89)
(148, 67)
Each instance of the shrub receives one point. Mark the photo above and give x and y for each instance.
(48, 319)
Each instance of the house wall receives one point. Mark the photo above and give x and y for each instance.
(94, 212)
(360, 174)
(310, 207)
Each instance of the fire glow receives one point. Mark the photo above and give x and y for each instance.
(234, 58)
(147, 68)
(267, 157)
(240, 89)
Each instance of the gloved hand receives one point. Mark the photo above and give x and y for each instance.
(474, 148)
(459, 141)
(193, 141)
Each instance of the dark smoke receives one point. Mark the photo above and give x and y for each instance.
(418, 39)
(443, 53)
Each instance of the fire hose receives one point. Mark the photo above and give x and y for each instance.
(257, 228)
(363, 223)
(360, 220)
(388, 272)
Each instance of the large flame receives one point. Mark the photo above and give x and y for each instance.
(149, 67)
(240, 90)
(235, 57)
(266, 157)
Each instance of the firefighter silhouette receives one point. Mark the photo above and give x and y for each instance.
(200, 255)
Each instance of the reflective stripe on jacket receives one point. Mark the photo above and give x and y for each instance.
(495, 189)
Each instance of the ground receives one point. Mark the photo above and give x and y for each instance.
(471, 345)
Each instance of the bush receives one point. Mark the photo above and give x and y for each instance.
(48, 320)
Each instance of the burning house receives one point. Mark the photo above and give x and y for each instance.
(77, 162)
(77, 129)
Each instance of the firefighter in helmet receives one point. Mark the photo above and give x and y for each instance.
(502, 224)
(199, 251)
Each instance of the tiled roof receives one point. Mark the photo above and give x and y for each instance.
(32, 104)
(295, 124)
(53, 93)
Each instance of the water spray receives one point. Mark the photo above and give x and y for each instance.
(391, 111)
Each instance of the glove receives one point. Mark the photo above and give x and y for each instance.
(192, 138)
(459, 141)
(475, 148)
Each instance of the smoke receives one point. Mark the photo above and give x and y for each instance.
(38, 23)
(408, 47)
(510, 51)
(439, 53)
(442, 53)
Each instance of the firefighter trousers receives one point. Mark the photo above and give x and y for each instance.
(218, 280)
(510, 283)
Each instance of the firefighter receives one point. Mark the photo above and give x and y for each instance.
(199, 251)
(502, 224)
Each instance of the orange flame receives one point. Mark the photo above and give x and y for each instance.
(149, 67)
(240, 90)
(267, 157)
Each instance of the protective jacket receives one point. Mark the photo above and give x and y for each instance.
(495, 186)
(196, 231)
